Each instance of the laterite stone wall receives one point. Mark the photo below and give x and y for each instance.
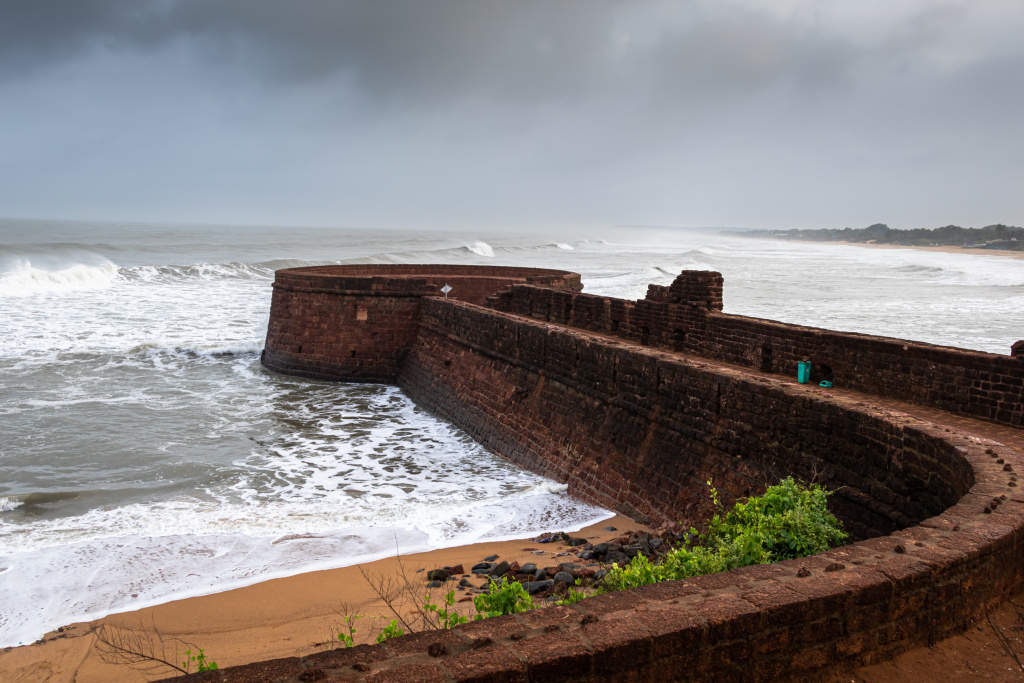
(587, 390)
(640, 431)
(357, 323)
(687, 317)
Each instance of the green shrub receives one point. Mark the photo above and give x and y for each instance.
(503, 598)
(446, 618)
(348, 639)
(789, 520)
(390, 631)
(202, 665)
(573, 596)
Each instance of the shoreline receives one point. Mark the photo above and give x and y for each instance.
(942, 249)
(949, 249)
(281, 617)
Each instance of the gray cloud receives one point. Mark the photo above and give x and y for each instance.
(436, 112)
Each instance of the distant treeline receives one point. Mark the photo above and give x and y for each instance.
(990, 237)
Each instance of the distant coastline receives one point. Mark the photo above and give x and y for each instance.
(992, 239)
(1017, 254)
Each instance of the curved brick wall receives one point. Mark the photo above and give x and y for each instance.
(687, 316)
(357, 323)
(640, 431)
(934, 502)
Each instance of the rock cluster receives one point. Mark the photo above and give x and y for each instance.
(589, 563)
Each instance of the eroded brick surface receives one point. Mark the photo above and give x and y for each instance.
(635, 405)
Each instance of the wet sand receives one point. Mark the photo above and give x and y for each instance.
(285, 617)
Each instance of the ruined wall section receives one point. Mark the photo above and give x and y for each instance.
(640, 431)
(687, 317)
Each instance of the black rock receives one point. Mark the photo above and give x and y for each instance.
(656, 543)
(602, 548)
(465, 583)
(616, 556)
(573, 542)
(490, 558)
(528, 568)
(610, 528)
(564, 577)
(630, 551)
(435, 584)
(587, 555)
(483, 567)
(438, 575)
(537, 586)
(500, 569)
(540, 574)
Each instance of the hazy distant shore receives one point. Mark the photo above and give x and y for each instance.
(996, 238)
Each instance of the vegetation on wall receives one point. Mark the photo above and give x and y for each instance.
(789, 520)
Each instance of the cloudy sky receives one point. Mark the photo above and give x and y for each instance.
(475, 113)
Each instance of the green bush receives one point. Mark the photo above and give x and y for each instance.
(504, 598)
(789, 520)
(390, 631)
(447, 617)
(202, 664)
(573, 596)
(348, 639)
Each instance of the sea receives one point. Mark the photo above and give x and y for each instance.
(146, 455)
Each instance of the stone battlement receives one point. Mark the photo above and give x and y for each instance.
(635, 404)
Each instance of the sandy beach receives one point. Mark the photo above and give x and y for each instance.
(947, 250)
(277, 618)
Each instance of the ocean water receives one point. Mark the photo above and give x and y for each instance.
(146, 455)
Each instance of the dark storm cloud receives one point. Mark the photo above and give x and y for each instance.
(672, 111)
(435, 50)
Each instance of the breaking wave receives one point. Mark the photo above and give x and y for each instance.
(481, 249)
(25, 280)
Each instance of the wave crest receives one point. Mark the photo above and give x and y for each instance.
(26, 280)
(481, 248)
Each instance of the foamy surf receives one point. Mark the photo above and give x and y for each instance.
(25, 280)
(363, 472)
(173, 560)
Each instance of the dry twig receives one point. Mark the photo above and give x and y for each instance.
(143, 650)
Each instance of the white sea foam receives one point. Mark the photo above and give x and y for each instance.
(8, 503)
(95, 563)
(481, 249)
(365, 469)
(25, 280)
(563, 245)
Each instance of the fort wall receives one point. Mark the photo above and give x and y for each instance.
(685, 318)
(591, 392)
(357, 323)
(640, 431)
